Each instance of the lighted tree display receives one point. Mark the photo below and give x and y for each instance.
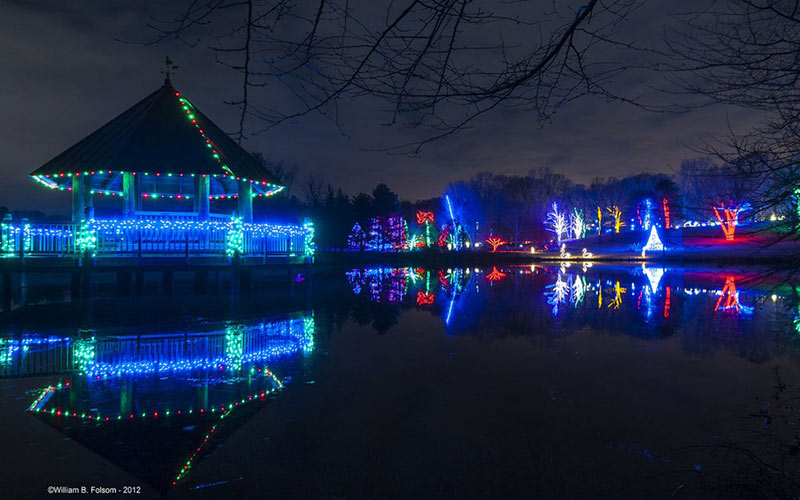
(599, 220)
(616, 216)
(385, 234)
(653, 242)
(357, 240)
(376, 234)
(576, 224)
(424, 216)
(452, 236)
(495, 242)
(426, 219)
(647, 214)
(397, 233)
(665, 205)
(556, 222)
(729, 218)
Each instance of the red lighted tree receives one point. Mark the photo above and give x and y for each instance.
(729, 218)
(424, 216)
(495, 242)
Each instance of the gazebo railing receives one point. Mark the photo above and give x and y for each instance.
(156, 237)
(179, 216)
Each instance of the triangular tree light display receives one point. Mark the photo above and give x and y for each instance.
(653, 242)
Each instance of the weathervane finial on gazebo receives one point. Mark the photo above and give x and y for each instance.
(169, 67)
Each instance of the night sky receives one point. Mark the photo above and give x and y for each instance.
(63, 74)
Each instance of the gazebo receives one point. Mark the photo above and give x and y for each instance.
(161, 148)
(166, 162)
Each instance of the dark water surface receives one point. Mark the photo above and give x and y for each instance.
(514, 382)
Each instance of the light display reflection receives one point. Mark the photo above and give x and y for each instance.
(648, 300)
(158, 385)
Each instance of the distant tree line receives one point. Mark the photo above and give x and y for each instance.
(515, 207)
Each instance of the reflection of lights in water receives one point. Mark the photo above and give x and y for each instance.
(234, 346)
(68, 404)
(383, 283)
(239, 345)
(558, 294)
(578, 290)
(599, 295)
(181, 362)
(9, 348)
(450, 310)
(654, 275)
(62, 408)
(618, 293)
(728, 300)
(424, 298)
(495, 275)
(649, 297)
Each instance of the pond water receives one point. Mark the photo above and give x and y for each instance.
(504, 382)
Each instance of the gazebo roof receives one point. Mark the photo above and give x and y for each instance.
(163, 134)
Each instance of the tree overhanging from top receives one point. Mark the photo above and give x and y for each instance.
(438, 64)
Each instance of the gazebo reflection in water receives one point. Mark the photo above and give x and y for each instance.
(174, 391)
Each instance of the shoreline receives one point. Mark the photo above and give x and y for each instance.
(520, 258)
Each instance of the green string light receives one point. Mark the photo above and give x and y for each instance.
(87, 238)
(309, 245)
(234, 239)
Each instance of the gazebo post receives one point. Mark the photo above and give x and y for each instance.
(129, 195)
(202, 204)
(81, 196)
(245, 205)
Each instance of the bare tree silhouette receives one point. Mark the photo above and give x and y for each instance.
(437, 64)
(745, 53)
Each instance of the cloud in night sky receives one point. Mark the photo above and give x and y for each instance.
(63, 75)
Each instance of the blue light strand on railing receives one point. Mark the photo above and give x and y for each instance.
(85, 238)
(258, 229)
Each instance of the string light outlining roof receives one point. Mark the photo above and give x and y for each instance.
(163, 134)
